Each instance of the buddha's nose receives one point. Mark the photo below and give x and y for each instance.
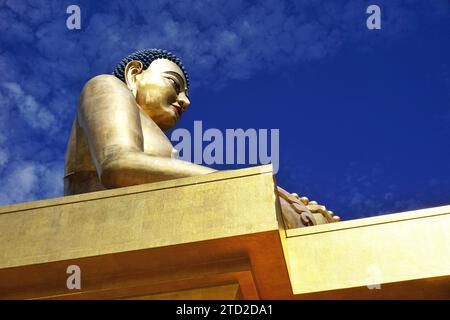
(183, 101)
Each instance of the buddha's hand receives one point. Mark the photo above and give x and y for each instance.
(295, 213)
(316, 208)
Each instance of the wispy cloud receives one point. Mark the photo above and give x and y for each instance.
(30, 181)
(37, 116)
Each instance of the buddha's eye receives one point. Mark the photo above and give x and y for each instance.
(175, 84)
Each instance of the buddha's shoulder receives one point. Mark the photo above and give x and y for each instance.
(104, 83)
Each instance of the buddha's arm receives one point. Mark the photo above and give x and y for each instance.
(108, 115)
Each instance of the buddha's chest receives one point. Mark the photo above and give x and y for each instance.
(155, 141)
(78, 157)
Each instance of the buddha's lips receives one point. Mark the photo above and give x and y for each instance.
(177, 109)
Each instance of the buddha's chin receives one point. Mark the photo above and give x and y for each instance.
(166, 118)
(168, 122)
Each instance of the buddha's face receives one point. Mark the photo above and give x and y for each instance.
(160, 90)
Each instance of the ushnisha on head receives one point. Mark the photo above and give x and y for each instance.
(159, 82)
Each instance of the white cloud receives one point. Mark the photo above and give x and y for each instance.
(30, 181)
(37, 116)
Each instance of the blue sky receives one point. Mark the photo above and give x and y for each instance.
(364, 116)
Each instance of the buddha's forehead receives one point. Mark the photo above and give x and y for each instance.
(165, 65)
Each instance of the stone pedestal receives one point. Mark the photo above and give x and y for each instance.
(217, 236)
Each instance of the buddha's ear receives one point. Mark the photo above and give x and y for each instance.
(132, 69)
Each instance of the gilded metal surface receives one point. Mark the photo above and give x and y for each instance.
(146, 239)
(127, 245)
(320, 212)
(388, 249)
(132, 218)
(225, 292)
(118, 139)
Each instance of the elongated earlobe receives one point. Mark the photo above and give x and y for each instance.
(132, 69)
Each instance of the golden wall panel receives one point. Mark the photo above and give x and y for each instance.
(218, 205)
(364, 252)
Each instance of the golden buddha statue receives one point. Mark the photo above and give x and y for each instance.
(118, 138)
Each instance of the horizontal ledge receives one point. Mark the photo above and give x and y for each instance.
(215, 176)
(365, 222)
